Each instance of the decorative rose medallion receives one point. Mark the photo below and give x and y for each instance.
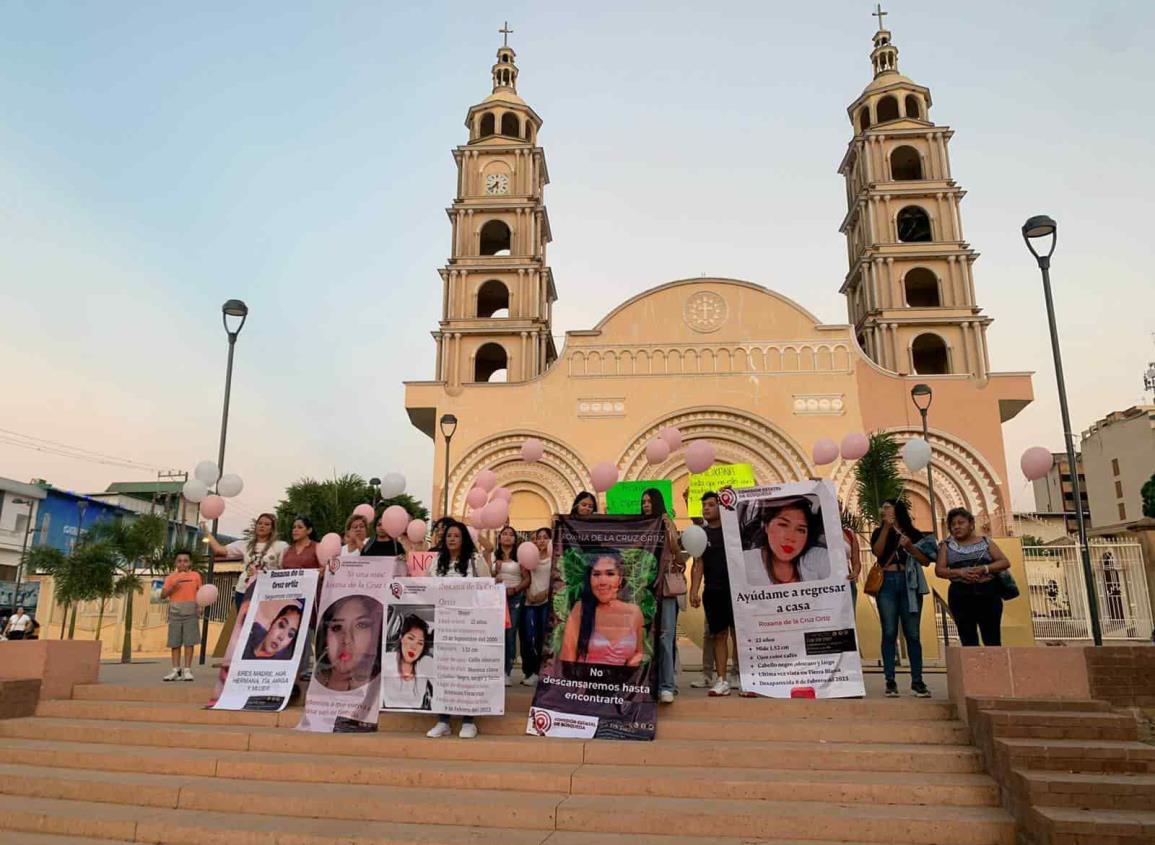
(705, 312)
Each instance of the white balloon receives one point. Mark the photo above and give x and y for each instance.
(916, 454)
(392, 485)
(207, 473)
(195, 490)
(230, 485)
(694, 540)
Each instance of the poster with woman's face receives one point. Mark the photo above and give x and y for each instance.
(344, 693)
(784, 539)
(409, 668)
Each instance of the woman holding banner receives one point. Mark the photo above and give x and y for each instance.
(356, 533)
(457, 558)
(260, 552)
(508, 571)
(602, 628)
(302, 552)
(653, 504)
(585, 503)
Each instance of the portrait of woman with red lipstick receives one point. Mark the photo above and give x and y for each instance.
(349, 643)
(602, 628)
(784, 544)
(408, 671)
(277, 639)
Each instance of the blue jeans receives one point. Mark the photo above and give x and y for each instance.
(534, 619)
(514, 604)
(668, 646)
(894, 609)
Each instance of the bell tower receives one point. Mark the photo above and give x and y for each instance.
(910, 288)
(498, 290)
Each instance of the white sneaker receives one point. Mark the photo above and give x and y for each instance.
(702, 683)
(440, 729)
(531, 681)
(721, 688)
(666, 696)
(186, 674)
(468, 730)
(174, 675)
(509, 680)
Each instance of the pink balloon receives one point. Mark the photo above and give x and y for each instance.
(476, 498)
(825, 451)
(365, 511)
(700, 456)
(395, 520)
(854, 446)
(486, 480)
(416, 531)
(657, 450)
(532, 450)
(672, 436)
(1035, 463)
(329, 547)
(207, 595)
(604, 475)
(501, 493)
(212, 507)
(493, 515)
(500, 510)
(528, 556)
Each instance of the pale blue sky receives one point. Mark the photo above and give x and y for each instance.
(158, 158)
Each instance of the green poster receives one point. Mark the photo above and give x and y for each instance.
(717, 477)
(625, 497)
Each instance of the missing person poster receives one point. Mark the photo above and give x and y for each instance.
(270, 641)
(444, 646)
(599, 673)
(344, 694)
(789, 582)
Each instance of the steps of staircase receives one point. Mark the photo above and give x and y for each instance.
(1102, 827)
(690, 753)
(898, 787)
(1077, 755)
(1064, 724)
(512, 810)
(1088, 790)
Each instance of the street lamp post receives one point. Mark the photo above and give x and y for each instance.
(1036, 228)
(23, 550)
(375, 483)
(921, 395)
(236, 310)
(448, 426)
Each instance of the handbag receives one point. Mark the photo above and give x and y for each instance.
(1008, 589)
(674, 584)
(875, 577)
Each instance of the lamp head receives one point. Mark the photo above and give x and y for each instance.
(1037, 228)
(448, 425)
(375, 482)
(237, 310)
(922, 396)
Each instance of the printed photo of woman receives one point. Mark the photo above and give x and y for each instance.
(349, 643)
(406, 677)
(276, 639)
(602, 628)
(786, 545)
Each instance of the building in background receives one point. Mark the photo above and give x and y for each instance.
(162, 498)
(1118, 459)
(1055, 494)
(19, 505)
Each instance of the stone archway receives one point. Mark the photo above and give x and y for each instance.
(553, 481)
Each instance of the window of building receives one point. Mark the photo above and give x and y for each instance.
(493, 299)
(488, 125)
(887, 109)
(913, 225)
(491, 363)
(864, 119)
(912, 107)
(510, 125)
(1118, 489)
(921, 287)
(1122, 511)
(1115, 467)
(929, 355)
(905, 164)
(495, 238)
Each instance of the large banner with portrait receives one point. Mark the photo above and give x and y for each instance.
(344, 694)
(789, 582)
(444, 647)
(270, 641)
(598, 676)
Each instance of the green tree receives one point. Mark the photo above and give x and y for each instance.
(83, 574)
(329, 503)
(1147, 491)
(877, 477)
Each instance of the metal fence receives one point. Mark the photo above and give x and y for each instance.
(1058, 594)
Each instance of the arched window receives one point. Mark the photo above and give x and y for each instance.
(491, 363)
(887, 109)
(913, 225)
(509, 125)
(495, 238)
(905, 164)
(913, 110)
(487, 124)
(864, 119)
(921, 288)
(929, 355)
(492, 298)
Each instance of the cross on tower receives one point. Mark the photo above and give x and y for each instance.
(506, 32)
(878, 13)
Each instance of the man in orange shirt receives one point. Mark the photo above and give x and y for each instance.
(180, 588)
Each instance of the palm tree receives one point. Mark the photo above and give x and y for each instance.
(84, 574)
(877, 477)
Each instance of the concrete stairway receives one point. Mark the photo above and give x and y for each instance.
(148, 765)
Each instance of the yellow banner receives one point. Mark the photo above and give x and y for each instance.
(715, 478)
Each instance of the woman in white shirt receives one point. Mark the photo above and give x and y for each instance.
(508, 571)
(261, 551)
(457, 558)
(356, 533)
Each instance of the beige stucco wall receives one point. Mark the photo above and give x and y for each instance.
(1130, 440)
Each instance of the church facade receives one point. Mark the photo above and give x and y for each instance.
(722, 359)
